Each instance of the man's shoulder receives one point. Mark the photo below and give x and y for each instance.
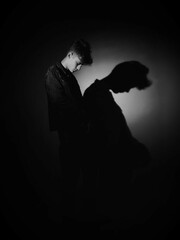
(52, 68)
(53, 76)
(58, 71)
(55, 71)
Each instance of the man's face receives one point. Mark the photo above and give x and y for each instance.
(75, 63)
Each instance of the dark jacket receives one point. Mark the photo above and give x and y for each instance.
(66, 114)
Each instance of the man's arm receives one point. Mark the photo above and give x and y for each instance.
(64, 110)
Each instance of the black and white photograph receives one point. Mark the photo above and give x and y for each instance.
(90, 120)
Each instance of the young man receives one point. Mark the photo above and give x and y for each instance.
(63, 92)
(66, 113)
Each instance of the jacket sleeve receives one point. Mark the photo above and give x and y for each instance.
(65, 113)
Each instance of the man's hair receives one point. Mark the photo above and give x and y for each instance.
(83, 49)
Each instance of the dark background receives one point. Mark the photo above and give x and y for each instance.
(34, 36)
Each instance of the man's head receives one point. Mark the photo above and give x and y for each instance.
(79, 54)
(127, 75)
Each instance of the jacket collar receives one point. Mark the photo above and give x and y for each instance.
(63, 69)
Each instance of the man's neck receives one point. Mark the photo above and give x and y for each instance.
(64, 63)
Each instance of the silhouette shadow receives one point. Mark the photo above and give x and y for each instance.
(115, 151)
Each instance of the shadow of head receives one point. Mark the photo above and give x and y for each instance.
(127, 75)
